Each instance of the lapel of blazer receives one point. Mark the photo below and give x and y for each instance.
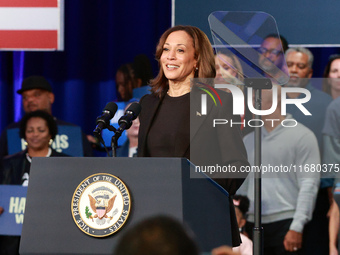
(152, 110)
(196, 117)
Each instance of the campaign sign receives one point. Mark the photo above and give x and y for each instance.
(68, 141)
(12, 200)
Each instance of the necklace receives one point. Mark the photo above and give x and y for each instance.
(185, 92)
(30, 159)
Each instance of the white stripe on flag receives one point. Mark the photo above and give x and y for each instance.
(29, 18)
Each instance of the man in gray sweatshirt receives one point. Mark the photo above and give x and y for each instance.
(289, 185)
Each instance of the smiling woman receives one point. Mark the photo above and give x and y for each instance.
(188, 53)
(166, 118)
(38, 129)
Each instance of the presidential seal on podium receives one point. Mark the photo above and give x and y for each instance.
(101, 205)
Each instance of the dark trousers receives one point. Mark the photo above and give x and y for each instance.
(315, 233)
(273, 236)
(9, 245)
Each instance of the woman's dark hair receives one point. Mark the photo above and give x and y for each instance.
(204, 55)
(326, 87)
(143, 69)
(242, 203)
(159, 235)
(51, 123)
(129, 79)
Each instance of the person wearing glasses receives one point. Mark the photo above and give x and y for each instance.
(271, 59)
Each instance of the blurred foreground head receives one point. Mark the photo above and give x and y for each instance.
(160, 235)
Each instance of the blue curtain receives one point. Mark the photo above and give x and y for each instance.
(100, 35)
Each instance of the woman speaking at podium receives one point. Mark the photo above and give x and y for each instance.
(183, 53)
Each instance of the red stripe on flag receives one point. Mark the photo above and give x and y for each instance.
(28, 39)
(28, 3)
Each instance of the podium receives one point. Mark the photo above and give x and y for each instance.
(157, 186)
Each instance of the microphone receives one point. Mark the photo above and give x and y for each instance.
(104, 120)
(131, 114)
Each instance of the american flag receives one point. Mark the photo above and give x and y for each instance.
(31, 24)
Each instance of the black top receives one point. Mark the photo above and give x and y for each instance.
(170, 129)
(225, 138)
(14, 167)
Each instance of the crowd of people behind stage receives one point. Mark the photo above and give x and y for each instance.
(299, 213)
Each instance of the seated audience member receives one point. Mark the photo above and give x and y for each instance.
(283, 216)
(37, 94)
(159, 235)
(129, 148)
(38, 128)
(241, 204)
(331, 83)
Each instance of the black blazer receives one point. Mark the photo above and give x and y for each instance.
(14, 166)
(226, 140)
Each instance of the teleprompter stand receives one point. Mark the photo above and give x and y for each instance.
(156, 185)
(258, 84)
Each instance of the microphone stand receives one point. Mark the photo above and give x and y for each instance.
(114, 141)
(114, 145)
(125, 123)
(100, 138)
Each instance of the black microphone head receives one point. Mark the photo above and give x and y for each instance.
(135, 109)
(112, 108)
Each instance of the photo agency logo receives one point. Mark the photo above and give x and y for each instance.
(240, 101)
(207, 88)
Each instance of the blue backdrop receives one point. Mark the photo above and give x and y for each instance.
(302, 22)
(100, 35)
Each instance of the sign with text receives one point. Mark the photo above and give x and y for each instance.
(13, 200)
(68, 141)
